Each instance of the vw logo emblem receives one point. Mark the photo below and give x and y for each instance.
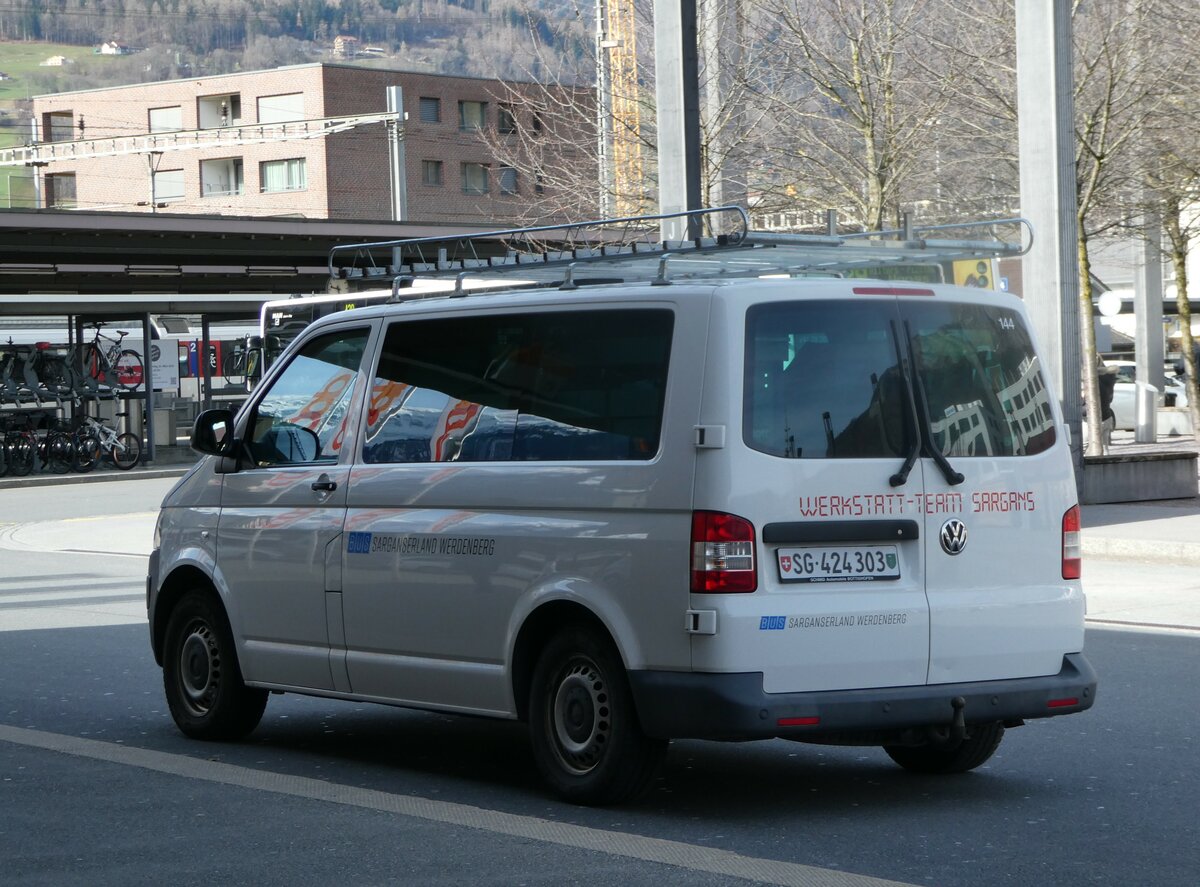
(953, 536)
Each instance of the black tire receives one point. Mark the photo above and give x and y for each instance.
(126, 451)
(128, 372)
(980, 744)
(587, 741)
(21, 454)
(201, 676)
(60, 452)
(87, 453)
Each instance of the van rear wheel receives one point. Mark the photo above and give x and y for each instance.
(201, 676)
(587, 741)
(979, 745)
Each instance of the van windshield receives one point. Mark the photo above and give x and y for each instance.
(822, 380)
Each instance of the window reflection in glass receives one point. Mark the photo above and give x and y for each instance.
(579, 385)
(302, 418)
(983, 382)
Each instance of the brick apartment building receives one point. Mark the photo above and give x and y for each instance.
(452, 167)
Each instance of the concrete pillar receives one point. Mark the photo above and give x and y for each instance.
(1050, 272)
(1148, 308)
(677, 93)
(396, 154)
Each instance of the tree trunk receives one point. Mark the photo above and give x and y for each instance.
(1178, 240)
(1087, 331)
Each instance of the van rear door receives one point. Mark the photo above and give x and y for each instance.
(999, 605)
(826, 426)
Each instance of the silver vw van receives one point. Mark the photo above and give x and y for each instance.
(828, 510)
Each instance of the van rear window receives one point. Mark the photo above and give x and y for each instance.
(986, 392)
(822, 380)
(550, 386)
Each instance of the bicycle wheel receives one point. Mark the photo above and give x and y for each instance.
(128, 370)
(233, 367)
(60, 452)
(21, 454)
(86, 454)
(126, 451)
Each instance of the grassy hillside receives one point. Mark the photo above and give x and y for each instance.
(21, 62)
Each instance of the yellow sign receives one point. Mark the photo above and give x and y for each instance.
(974, 272)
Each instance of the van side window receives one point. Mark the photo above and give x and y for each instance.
(564, 385)
(821, 381)
(987, 395)
(302, 417)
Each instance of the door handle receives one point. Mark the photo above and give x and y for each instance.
(324, 486)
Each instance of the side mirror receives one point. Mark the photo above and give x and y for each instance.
(212, 433)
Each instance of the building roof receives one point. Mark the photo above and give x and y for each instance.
(45, 251)
(372, 69)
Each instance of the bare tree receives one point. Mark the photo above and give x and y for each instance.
(613, 122)
(1172, 171)
(857, 101)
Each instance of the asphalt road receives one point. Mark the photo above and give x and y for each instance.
(98, 787)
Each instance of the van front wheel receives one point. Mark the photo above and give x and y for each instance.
(971, 752)
(587, 741)
(201, 676)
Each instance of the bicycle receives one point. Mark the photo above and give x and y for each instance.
(20, 448)
(110, 364)
(95, 440)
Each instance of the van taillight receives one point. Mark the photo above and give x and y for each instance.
(1071, 551)
(722, 553)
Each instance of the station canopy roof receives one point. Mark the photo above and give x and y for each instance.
(45, 253)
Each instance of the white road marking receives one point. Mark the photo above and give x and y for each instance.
(623, 844)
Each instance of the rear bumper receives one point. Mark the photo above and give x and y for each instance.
(678, 705)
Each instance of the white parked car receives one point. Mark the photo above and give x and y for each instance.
(1124, 404)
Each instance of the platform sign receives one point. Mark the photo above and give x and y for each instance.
(163, 358)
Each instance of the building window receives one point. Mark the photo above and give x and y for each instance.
(431, 173)
(282, 175)
(58, 126)
(506, 120)
(430, 110)
(281, 108)
(60, 190)
(539, 184)
(166, 119)
(472, 115)
(475, 178)
(220, 178)
(538, 125)
(220, 110)
(508, 180)
(168, 185)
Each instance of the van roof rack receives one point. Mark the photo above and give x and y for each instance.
(718, 244)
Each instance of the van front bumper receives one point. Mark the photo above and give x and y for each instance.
(688, 705)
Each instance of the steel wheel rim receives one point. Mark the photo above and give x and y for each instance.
(580, 716)
(199, 669)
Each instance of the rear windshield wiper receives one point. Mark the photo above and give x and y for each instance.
(900, 478)
(953, 477)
